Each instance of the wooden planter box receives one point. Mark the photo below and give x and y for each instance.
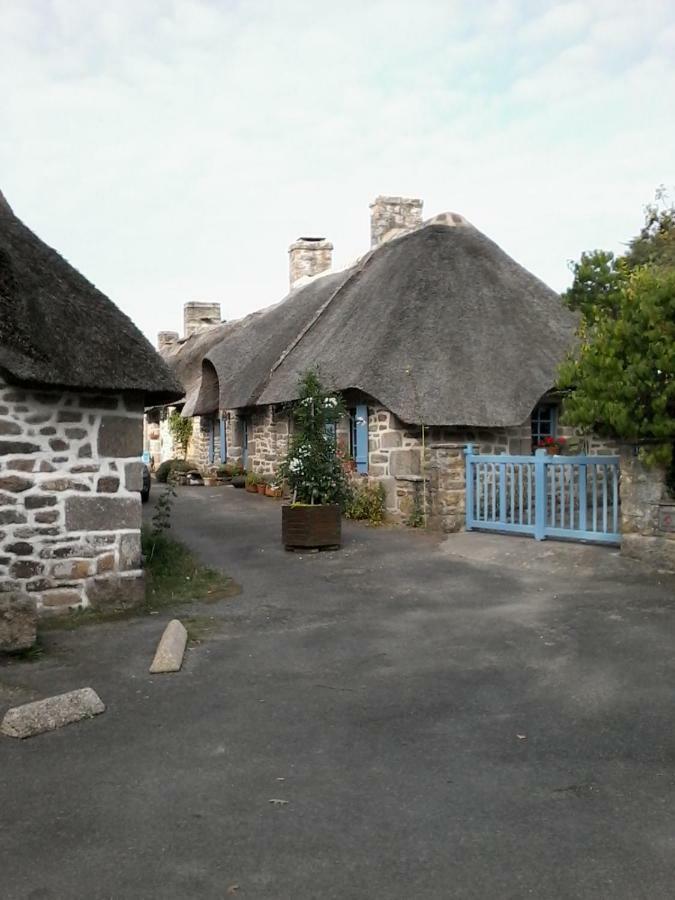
(311, 526)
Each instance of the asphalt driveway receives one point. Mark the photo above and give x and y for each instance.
(471, 718)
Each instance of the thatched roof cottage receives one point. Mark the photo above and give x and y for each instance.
(75, 374)
(435, 328)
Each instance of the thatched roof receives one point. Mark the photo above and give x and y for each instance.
(439, 325)
(57, 329)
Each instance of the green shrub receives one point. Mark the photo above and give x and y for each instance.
(252, 478)
(225, 471)
(366, 501)
(172, 465)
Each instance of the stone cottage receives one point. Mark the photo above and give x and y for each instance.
(435, 336)
(75, 374)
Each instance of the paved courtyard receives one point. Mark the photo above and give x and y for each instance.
(410, 717)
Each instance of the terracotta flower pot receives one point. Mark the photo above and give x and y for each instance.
(311, 526)
(252, 488)
(262, 487)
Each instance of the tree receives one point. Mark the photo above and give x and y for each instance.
(312, 465)
(621, 376)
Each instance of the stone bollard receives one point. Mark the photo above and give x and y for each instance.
(170, 650)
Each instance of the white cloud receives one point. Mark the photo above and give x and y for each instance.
(172, 151)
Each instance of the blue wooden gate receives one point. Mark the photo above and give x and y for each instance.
(546, 496)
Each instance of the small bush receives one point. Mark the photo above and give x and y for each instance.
(172, 465)
(366, 501)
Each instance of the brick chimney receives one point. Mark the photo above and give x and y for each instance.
(200, 317)
(393, 213)
(309, 256)
(165, 338)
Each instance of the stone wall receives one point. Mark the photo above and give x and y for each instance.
(70, 507)
(269, 433)
(647, 512)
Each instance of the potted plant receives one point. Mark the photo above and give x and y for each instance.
(262, 485)
(553, 445)
(274, 490)
(252, 483)
(239, 478)
(313, 470)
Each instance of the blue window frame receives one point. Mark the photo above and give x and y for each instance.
(223, 440)
(543, 421)
(358, 437)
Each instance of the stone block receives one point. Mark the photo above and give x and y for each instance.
(58, 445)
(60, 599)
(18, 622)
(26, 568)
(389, 484)
(105, 563)
(101, 513)
(20, 548)
(404, 463)
(52, 713)
(9, 427)
(116, 592)
(35, 501)
(15, 484)
(73, 569)
(120, 436)
(63, 484)
(11, 517)
(47, 516)
(133, 476)
(171, 649)
(390, 439)
(7, 447)
(107, 484)
(21, 465)
(130, 551)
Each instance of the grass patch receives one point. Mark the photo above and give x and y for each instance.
(173, 577)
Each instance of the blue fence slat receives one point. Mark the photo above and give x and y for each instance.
(546, 496)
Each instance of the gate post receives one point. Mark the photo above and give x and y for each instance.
(539, 494)
(468, 481)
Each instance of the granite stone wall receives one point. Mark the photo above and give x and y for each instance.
(70, 507)
(647, 512)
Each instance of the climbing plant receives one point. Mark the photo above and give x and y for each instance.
(181, 432)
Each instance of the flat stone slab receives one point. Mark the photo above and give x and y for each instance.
(171, 649)
(51, 713)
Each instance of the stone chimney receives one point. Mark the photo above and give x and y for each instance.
(308, 256)
(165, 338)
(393, 213)
(200, 317)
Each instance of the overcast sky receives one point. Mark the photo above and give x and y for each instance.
(172, 149)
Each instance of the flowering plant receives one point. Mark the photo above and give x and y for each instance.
(312, 465)
(550, 443)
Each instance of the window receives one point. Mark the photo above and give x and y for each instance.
(543, 423)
